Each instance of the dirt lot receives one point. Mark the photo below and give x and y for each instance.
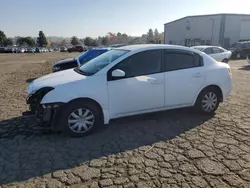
(169, 149)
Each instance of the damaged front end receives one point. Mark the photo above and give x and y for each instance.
(44, 112)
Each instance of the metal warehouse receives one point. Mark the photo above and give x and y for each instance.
(214, 29)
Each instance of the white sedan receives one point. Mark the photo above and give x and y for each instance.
(127, 81)
(218, 53)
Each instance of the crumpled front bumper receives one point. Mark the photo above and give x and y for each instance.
(44, 112)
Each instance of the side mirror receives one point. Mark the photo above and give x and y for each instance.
(118, 73)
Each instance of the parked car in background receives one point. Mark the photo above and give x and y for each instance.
(9, 49)
(50, 50)
(77, 48)
(78, 61)
(20, 50)
(2, 49)
(127, 81)
(63, 49)
(218, 53)
(31, 50)
(240, 50)
(116, 45)
(37, 50)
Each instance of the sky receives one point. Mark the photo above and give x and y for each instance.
(81, 18)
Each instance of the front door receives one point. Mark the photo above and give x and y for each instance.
(142, 88)
(184, 77)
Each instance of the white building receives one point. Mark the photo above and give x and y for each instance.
(214, 29)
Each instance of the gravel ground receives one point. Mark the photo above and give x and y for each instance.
(174, 149)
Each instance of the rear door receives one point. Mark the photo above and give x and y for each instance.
(208, 51)
(218, 54)
(184, 77)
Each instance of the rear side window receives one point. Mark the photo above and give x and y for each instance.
(216, 50)
(181, 60)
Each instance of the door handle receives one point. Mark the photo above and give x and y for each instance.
(196, 75)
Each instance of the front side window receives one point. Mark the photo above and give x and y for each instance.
(181, 60)
(142, 63)
(98, 63)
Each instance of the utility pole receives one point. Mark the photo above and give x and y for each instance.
(212, 36)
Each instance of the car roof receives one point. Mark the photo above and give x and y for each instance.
(204, 46)
(140, 47)
(100, 49)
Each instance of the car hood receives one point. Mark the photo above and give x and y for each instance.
(54, 80)
(64, 61)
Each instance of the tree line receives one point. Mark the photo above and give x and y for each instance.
(109, 39)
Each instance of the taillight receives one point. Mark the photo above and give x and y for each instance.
(229, 72)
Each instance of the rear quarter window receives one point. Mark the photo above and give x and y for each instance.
(177, 60)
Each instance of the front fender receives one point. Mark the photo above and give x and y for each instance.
(59, 96)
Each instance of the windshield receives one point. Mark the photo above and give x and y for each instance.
(90, 54)
(98, 63)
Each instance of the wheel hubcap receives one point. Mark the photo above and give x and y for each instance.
(209, 102)
(81, 120)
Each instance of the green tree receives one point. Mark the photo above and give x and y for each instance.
(63, 43)
(105, 41)
(74, 40)
(41, 39)
(88, 41)
(150, 36)
(156, 36)
(29, 41)
(2, 37)
(94, 43)
(20, 41)
(8, 41)
(119, 34)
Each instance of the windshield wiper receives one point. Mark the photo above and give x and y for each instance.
(79, 71)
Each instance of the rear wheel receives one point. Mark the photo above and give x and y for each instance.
(225, 60)
(208, 101)
(81, 118)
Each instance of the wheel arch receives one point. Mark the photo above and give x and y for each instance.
(56, 120)
(208, 87)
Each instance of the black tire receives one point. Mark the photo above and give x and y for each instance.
(200, 105)
(225, 60)
(72, 107)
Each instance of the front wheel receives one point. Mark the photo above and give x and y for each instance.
(208, 101)
(80, 118)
